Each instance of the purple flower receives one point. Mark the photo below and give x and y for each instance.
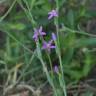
(53, 36)
(48, 45)
(56, 69)
(52, 14)
(38, 32)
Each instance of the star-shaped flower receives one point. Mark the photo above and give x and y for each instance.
(38, 32)
(52, 14)
(48, 45)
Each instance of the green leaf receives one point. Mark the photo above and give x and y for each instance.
(68, 56)
(85, 42)
(70, 17)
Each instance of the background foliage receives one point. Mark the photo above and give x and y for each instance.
(18, 60)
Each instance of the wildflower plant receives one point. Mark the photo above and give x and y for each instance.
(47, 46)
(53, 49)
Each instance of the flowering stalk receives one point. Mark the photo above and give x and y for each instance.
(47, 46)
(54, 13)
(57, 43)
(61, 67)
(44, 67)
(61, 76)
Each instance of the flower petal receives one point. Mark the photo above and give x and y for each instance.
(50, 42)
(50, 16)
(50, 12)
(52, 46)
(44, 45)
(42, 33)
(34, 36)
(40, 29)
(56, 70)
(53, 36)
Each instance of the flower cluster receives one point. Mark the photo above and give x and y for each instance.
(39, 32)
(46, 45)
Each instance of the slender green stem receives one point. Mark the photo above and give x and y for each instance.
(47, 53)
(50, 64)
(9, 10)
(27, 12)
(58, 49)
(76, 31)
(45, 67)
